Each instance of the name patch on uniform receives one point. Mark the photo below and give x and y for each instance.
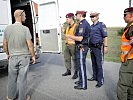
(80, 30)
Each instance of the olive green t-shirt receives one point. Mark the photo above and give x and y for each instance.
(16, 36)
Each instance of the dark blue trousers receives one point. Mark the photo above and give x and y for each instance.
(97, 57)
(81, 63)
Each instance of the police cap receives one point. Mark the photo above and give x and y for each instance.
(69, 15)
(93, 13)
(81, 12)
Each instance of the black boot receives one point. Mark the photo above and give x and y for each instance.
(75, 75)
(68, 72)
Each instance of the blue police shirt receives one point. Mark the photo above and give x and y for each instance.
(83, 29)
(98, 32)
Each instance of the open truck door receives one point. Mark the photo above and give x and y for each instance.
(31, 10)
(49, 26)
(5, 19)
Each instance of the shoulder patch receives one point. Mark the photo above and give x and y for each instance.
(105, 29)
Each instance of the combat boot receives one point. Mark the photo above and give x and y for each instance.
(75, 75)
(9, 99)
(68, 72)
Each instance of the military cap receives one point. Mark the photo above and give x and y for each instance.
(69, 15)
(93, 13)
(130, 9)
(81, 12)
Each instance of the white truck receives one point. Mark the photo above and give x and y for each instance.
(42, 18)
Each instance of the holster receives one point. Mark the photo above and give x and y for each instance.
(78, 47)
(97, 45)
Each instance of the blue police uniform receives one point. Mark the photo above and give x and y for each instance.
(97, 35)
(83, 29)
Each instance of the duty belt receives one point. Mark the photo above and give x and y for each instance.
(97, 45)
(81, 45)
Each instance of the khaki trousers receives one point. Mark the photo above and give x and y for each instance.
(69, 54)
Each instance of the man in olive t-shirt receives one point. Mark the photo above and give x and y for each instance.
(18, 47)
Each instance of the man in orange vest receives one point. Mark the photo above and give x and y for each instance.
(69, 51)
(125, 83)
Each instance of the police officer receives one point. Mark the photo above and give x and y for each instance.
(69, 51)
(98, 46)
(125, 83)
(81, 40)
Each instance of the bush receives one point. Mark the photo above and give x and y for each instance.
(120, 32)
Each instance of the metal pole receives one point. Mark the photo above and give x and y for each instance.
(129, 3)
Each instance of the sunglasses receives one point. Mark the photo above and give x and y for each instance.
(125, 15)
(76, 14)
(22, 13)
(92, 16)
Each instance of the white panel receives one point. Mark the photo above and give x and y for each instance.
(48, 15)
(49, 40)
(3, 12)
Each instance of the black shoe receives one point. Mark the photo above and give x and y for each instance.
(75, 75)
(68, 72)
(98, 85)
(79, 88)
(77, 82)
(92, 79)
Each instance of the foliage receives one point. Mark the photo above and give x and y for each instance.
(114, 41)
(120, 31)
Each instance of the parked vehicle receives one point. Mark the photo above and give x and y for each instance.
(42, 19)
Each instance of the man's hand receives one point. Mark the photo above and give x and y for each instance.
(105, 50)
(68, 36)
(76, 38)
(31, 49)
(126, 57)
(8, 56)
(33, 60)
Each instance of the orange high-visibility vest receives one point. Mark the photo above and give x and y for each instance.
(70, 31)
(125, 46)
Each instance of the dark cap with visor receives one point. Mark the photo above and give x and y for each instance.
(81, 12)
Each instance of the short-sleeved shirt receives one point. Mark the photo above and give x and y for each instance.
(83, 29)
(98, 32)
(16, 36)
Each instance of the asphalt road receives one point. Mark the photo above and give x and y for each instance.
(45, 81)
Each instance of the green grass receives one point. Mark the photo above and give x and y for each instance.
(114, 41)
